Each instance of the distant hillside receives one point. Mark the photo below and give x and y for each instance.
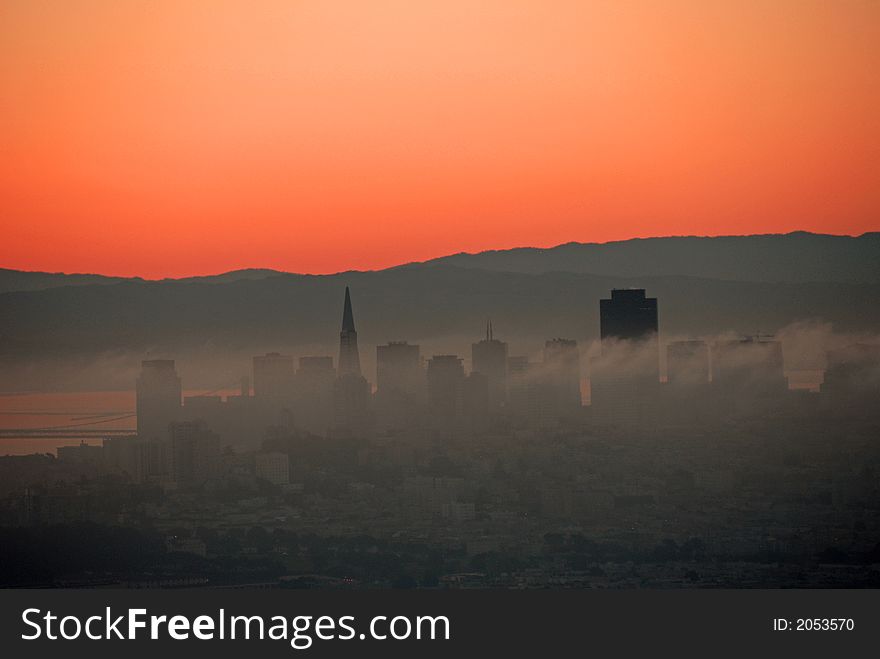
(793, 257)
(234, 275)
(20, 280)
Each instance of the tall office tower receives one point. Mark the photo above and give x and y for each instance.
(489, 357)
(158, 398)
(273, 377)
(628, 315)
(687, 363)
(445, 381)
(351, 391)
(625, 377)
(349, 359)
(195, 452)
(313, 402)
(560, 381)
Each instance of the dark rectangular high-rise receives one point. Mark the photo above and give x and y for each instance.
(625, 377)
(628, 315)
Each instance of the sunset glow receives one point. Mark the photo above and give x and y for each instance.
(170, 138)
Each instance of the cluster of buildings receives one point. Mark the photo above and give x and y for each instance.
(180, 439)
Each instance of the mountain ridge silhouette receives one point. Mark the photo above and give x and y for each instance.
(798, 256)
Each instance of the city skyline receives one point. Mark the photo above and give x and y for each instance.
(412, 390)
(627, 365)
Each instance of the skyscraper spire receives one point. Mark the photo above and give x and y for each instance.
(349, 359)
(347, 315)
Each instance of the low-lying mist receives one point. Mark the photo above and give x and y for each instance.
(806, 346)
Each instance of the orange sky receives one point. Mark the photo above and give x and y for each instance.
(177, 137)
